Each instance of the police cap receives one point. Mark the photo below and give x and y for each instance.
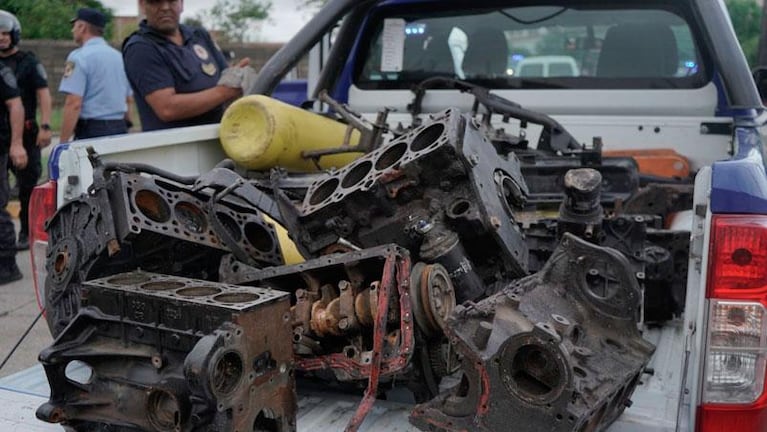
(91, 16)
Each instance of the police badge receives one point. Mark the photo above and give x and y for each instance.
(201, 52)
(209, 68)
(69, 68)
(8, 77)
(41, 72)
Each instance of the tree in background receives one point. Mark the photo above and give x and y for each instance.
(762, 44)
(315, 3)
(49, 19)
(235, 19)
(194, 21)
(746, 17)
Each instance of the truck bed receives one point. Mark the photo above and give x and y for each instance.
(655, 400)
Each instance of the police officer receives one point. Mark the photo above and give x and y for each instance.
(179, 76)
(33, 84)
(11, 146)
(94, 80)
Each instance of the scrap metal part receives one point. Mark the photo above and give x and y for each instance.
(347, 304)
(441, 191)
(160, 206)
(130, 221)
(658, 256)
(556, 351)
(164, 353)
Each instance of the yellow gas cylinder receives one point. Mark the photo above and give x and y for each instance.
(290, 252)
(259, 133)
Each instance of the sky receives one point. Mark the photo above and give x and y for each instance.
(286, 16)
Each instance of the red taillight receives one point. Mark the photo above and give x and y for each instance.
(734, 381)
(738, 261)
(42, 206)
(711, 418)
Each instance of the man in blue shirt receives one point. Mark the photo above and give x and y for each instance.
(94, 81)
(179, 75)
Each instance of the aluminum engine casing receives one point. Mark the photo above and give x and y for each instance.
(166, 353)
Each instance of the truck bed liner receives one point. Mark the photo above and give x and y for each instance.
(654, 408)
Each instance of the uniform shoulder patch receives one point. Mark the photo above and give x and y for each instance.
(69, 69)
(8, 77)
(41, 72)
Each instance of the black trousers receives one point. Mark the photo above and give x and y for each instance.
(27, 178)
(97, 128)
(7, 231)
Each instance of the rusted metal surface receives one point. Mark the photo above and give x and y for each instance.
(440, 190)
(346, 304)
(432, 258)
(556, 351)
(165, 353)
(379, 333)
(136, 221)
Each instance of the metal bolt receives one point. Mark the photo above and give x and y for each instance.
(157, 361)
(582, 352)
(561, 324)
(513, 300)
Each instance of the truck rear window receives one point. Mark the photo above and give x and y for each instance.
(576, 45)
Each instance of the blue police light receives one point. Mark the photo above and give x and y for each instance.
(415, 29)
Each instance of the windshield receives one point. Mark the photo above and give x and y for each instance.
(534, 46)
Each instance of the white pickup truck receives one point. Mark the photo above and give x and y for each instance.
(662, 81)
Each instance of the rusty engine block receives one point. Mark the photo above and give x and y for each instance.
(157, 222)
(441, 191)
(352, 308)
(169, 354)
(556, 351)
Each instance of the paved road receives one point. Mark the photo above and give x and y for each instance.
(18, 309)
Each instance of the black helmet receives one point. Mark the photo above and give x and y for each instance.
(9, 23)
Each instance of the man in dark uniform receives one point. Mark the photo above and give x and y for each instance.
(33, 84)
(178, 74)
(11, 147)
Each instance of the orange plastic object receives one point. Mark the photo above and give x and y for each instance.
(657, 162)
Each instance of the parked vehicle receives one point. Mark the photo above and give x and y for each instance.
(562, 288)
(548, 66)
